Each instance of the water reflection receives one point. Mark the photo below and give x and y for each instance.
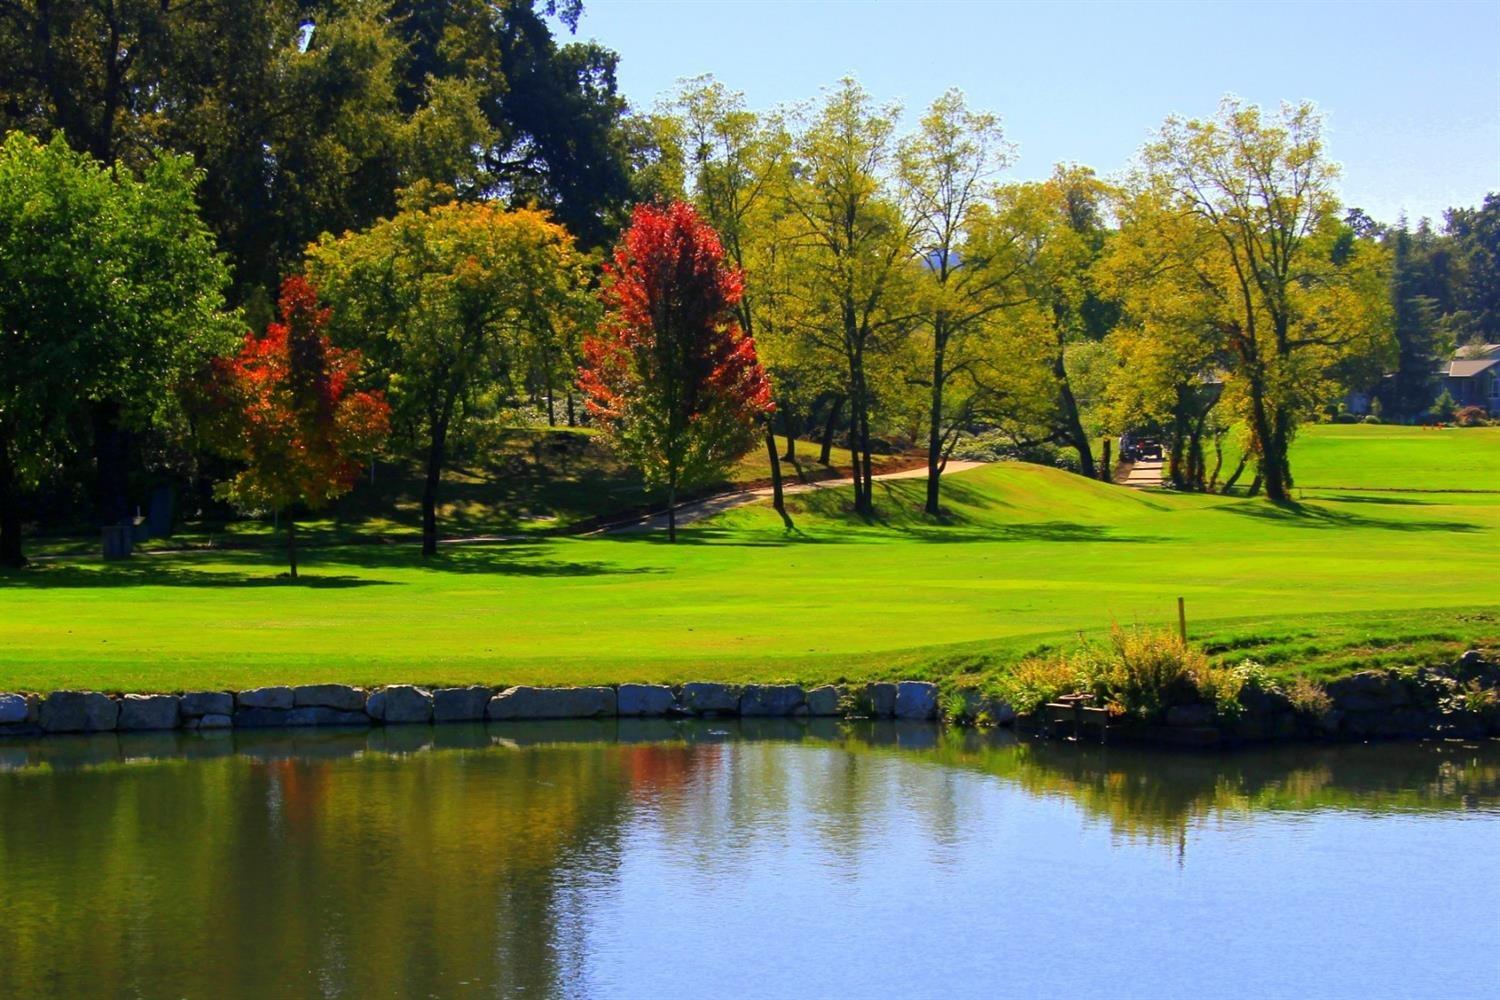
(543, 859)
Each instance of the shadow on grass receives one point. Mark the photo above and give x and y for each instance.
(322, 568)
(1382, 501)
(1308, 516)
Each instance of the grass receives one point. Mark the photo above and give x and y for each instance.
(1024, 559)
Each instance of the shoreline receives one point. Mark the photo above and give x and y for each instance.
(1459, 702)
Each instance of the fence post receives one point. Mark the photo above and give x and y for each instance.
(1182, 620)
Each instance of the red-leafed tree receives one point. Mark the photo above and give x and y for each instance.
(671, 376)
(284, 408)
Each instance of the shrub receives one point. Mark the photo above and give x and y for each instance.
(1035, 681)
(1377, 409)
(1308, 697)
(1470, 416)
(1373, 419)
(1345, 418)
(1444, 406)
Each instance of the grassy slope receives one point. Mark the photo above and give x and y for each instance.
(1026, 557)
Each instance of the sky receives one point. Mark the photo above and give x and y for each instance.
(1411, 90)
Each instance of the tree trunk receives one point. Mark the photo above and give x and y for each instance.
(111, 443)
(935, 428)
(1106, 463)
(778, 499)
(1213, 480)
(572, 418)
(835, 408)
(10, 512)
(1239, 470)
(291, 543)
(1072, 423)
(551, 405)
(436, 452)
(788, 426)
(868, 507)
(672, 511)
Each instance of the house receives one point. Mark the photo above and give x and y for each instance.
(1472, 377)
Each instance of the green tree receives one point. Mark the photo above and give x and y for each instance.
(736, 160)
(110, 287)
(848, 253)
(434, 296)
(1294, 291)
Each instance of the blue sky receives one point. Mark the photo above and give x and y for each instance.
(1411, 90)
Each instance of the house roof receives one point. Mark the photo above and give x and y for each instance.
(1474, 352)
(1466, 368)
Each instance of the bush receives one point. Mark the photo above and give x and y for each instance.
(1308, 697)
(1470, 416)
(1444, 406)
(1141, 673)
(1345, 418)
(1373, 419)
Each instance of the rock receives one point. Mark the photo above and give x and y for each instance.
(460, 704)
(552, 703)
(78, 712)
(823, 702)
(148, 711)
(1185, 716)
(196, 704)
(771, 699)
(215, 720)
(1471, 659)
(1001, 713)
(644, 699)
(339, 696)
(405, 703)
(375, 705)
(879, 700)
(13, 709)
(1329, 722)
(710, 699)
(321, 715)
(259, 718)
(916, 700)
(266, 697)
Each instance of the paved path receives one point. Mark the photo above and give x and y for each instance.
(697, 510)
(1145, 475)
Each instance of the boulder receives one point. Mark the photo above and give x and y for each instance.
(148, 711)
(406, 703)
(552, 703)
(1188, 716)
(78, 712)
(916, 700)
(1330, 721)
(215, 720)
(879, 701)
(823, 702)
(771, 699)
(703, 698)
(259, 718)
(644, 699)
(321, 715)
(375, 705)
(13, 709)
(339, 696)
(266, 697)
(460, 704)
(196, 704)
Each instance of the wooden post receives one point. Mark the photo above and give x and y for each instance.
(1182, 620)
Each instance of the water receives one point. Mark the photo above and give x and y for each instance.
(731, 859)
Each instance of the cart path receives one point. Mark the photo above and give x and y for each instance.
(1144, 475)
(697, 510)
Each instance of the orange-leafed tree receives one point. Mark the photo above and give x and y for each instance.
(670, 376)
(285, 408)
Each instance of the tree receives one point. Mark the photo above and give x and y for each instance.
(671, 376)
(1294, 291)
(434, 296)
(735, 159)
(848, 252)
(110, 287)
(285, 408)
(946, 170)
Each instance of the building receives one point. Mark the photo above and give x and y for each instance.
(1472, 377)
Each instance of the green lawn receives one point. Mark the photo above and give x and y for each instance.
(1027, 557)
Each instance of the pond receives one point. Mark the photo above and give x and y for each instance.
(741, 859)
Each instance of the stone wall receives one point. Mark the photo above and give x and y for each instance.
(32, 714)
